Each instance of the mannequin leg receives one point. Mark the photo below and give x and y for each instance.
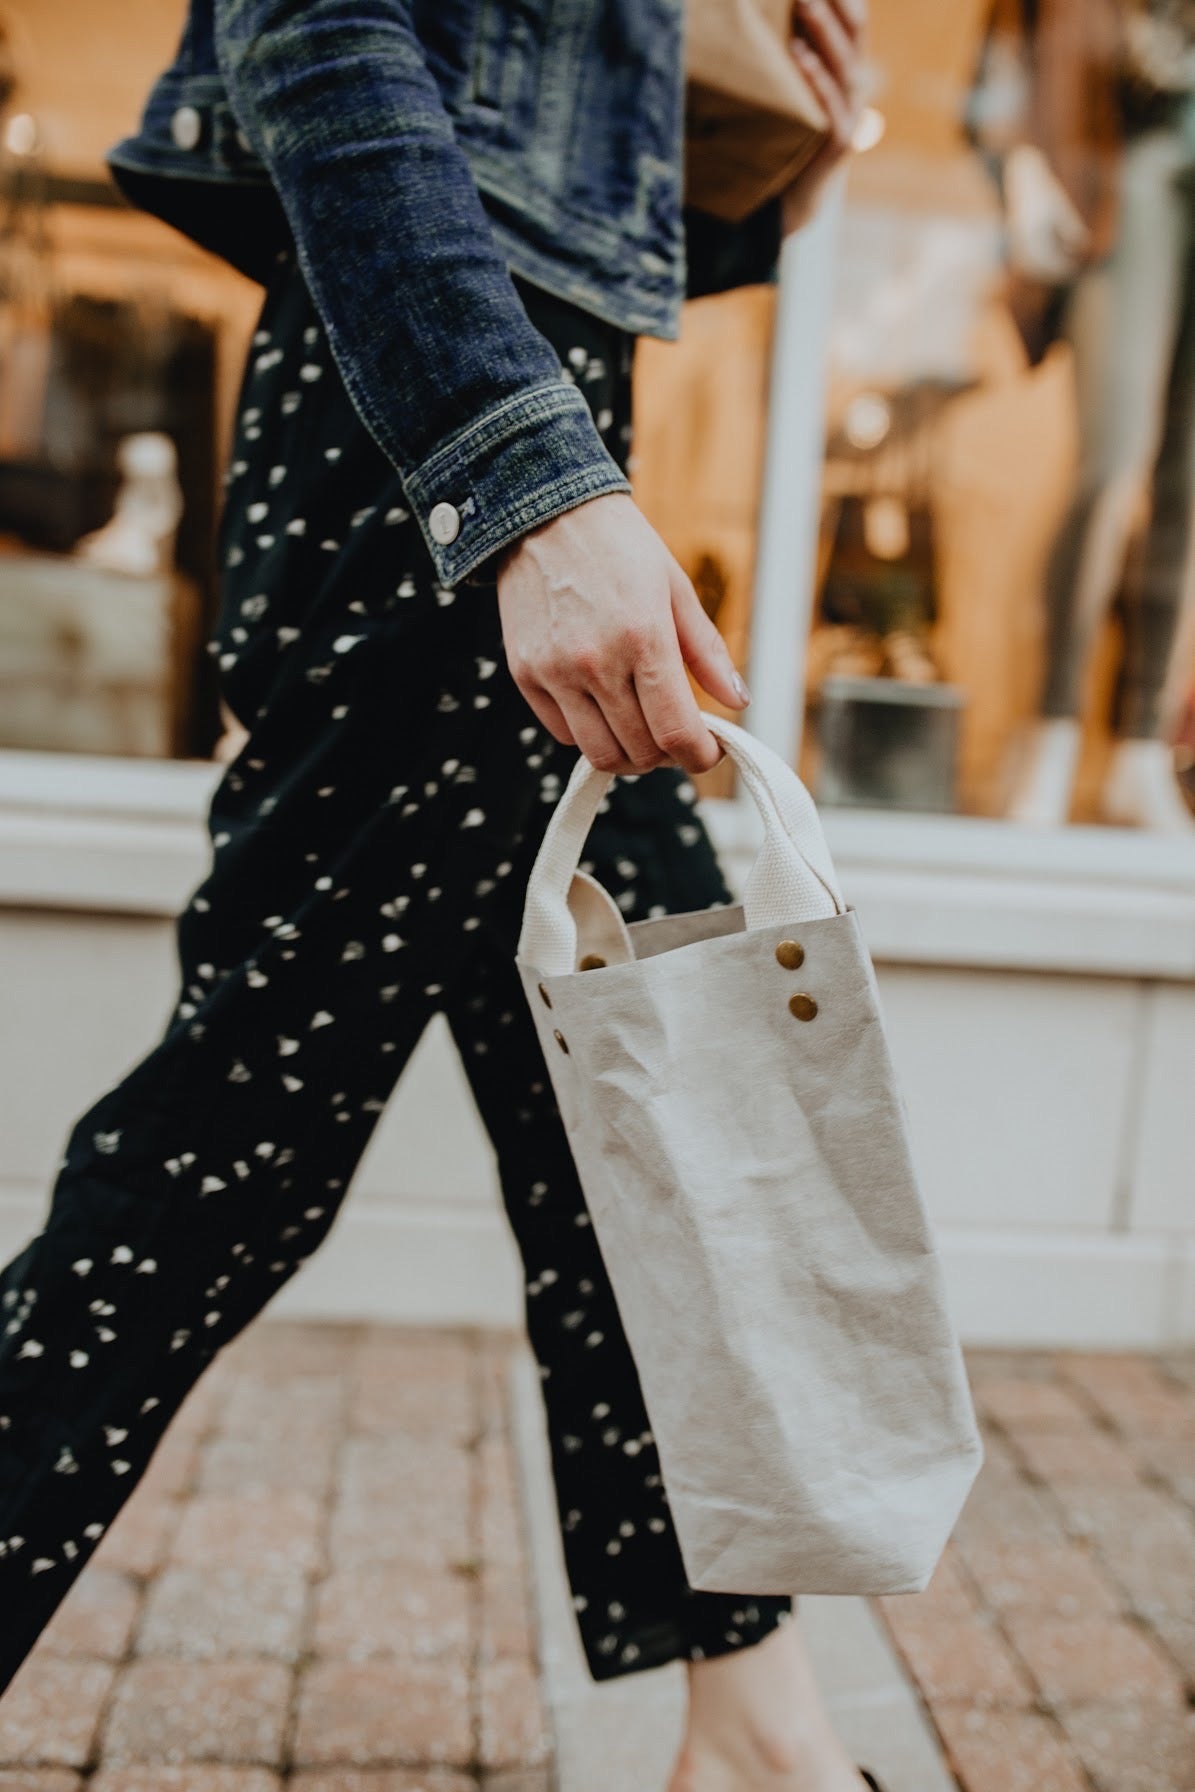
(1122, 326)
(1142, 789)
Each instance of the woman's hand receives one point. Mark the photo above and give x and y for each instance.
(828, 46)
(599, 623)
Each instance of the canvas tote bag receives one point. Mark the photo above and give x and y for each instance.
(752, 121)
(728, 1095)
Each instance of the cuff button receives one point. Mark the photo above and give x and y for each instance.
(186, 127)
(444, 523)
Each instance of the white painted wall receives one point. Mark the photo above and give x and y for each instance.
(1050, 1110)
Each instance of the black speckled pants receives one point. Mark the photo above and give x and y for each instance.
(371, 846)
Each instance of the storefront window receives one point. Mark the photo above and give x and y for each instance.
(119, 352)
(1001, 620)
(1000, 623)
(1009, 475)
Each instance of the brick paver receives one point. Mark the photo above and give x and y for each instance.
(1058, 1460)
(385, 1714)
(418, 1390)
(506, 1617)
(232, 1465)
(51, 1713)
(1031, 1404)
(138, 1541)
(173, 1468)
(402, 1611)
(1178, 1636)
(1134, 1748)
(523, 1779)
(208, 1777)
(958, 1659)
(264, 1531)
(1056, 1646)
(512, 1723)
(352, 1779)
(1077, 1660)
(183, 1711)
(321, 1584)
(97, 1618)
(1018, 1574)
(1170, 1461)
(208, 1614)
(1003, 1751)
(39, 1779)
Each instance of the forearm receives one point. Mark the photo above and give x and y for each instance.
(435, 348)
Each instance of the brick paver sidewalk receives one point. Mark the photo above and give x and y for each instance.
(321, 1581)
(1055, 1648)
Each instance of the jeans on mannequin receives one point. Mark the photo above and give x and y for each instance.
(1131, 327)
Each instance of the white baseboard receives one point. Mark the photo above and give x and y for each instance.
(1070, 1290)
(433, 1264)
(1063, 1290)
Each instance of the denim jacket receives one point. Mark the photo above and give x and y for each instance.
(417, 151)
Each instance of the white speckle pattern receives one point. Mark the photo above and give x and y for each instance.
(371, 845)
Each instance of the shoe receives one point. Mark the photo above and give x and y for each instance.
(1143, 789)
(1042, 794)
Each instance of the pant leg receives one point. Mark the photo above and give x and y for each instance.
(1164, 582)
(1122, 326)
(188, 1196)
(365, 842)
(634, 1606)
(357, 841)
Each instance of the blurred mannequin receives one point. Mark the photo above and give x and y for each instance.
(139, 537)
(1089, 109)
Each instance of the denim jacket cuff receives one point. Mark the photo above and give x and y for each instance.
(523, 462)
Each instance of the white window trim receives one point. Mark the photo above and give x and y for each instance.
(127, 837)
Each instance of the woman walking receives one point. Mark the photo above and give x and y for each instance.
(436, 588)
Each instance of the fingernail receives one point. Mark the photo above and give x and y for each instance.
(740, 688)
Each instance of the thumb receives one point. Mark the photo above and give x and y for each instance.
(702, 647)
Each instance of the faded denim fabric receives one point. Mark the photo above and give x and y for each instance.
(420, 151)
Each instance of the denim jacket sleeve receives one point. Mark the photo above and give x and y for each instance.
(437, 353)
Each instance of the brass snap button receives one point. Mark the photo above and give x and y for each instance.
(561, 1041)
(592, 961)
(803, 1006)
(547, 998)
(790, 955)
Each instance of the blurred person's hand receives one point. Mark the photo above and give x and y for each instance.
(599, 623)
(1047, 238)
(829, 39)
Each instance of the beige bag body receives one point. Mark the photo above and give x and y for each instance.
(749, 1177)
(752, 121)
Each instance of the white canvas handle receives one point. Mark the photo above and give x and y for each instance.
(793, 878)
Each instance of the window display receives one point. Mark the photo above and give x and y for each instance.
(1001, 623)
(114, 385)
(1094, 137)
(1066, 448)
(1005, 555)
